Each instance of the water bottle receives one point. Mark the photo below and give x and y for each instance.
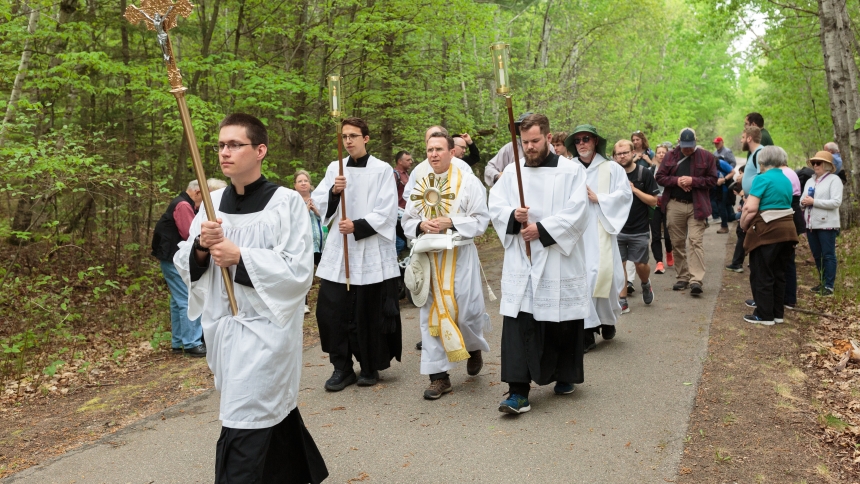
(811, 192)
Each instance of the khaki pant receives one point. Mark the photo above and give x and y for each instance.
(687, 236)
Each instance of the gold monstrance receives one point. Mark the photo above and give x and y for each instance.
(501, 67)
(160, 16)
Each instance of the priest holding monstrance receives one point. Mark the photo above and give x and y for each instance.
(446, 210)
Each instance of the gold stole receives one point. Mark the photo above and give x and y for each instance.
(605, 269)
(442, 321)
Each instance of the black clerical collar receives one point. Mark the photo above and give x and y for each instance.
(586, 165)
(360, 162)
(551, 161)
(255, 198)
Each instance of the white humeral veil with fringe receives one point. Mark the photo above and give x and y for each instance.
(470, 218)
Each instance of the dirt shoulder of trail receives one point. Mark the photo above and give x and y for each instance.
(756, 417)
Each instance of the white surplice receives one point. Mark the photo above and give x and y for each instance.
(470, 221)
(256, 356)
(423, 168)
(611, 211)
(371, 194)
(554, 285)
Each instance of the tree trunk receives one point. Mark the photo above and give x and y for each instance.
(18, 84)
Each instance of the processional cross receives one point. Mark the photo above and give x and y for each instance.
(160, 16)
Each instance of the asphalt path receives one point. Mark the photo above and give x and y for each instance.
(626, 423)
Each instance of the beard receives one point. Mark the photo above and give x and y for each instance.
(535, 159)
(745, 147)
(586, 153)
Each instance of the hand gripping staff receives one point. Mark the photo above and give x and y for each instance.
(160, 16)
(501, 63)
(335, 97)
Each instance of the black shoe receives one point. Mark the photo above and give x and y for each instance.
(647, 293)
(815, 289)
(475, 363)
(734, 268)
(418, 346)
(367, 379)
(607, 331)
(176, 350)
(588, 341)
(630, 288)
(826, 292)
(196, 352)
(696, 289)
(681, 286)
(750, 303)
(339, 380)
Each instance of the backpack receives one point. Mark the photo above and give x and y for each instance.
(639, 170)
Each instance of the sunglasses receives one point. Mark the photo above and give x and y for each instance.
(584, 139)
(815, 163)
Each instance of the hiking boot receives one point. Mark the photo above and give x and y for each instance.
(681, 286)
(367, 379)
(199, 351)
(696, 289)
(723, 230)
(588, 342)
(752, 318)
(339, 380)
(826, 292)
(607, 331)
(750, 303)
(660, 269)
(815, 289)
(475, 363)
(647, 293)
(624, 307)
(438, 388)
(734, 268)
(515, 405)
(630, 288)
(670, 259)
(563, 388)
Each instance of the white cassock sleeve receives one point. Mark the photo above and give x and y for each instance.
(473, 217)
(320, 194)
(567, 226)
(283, 274)
(410, 220)
(501, 206)
(614, 207)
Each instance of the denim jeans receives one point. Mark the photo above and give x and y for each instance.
(186, 333)
(823, 245)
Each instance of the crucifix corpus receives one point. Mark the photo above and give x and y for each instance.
(335, 98)
(160, 16)
(501, 67)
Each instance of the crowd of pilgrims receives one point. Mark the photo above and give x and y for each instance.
(581, 219)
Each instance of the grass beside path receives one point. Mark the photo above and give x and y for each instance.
(770, 406)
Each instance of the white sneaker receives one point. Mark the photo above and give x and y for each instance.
(778, 320)
(307, 309)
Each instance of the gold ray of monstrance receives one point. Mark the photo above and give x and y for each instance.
(433, 196)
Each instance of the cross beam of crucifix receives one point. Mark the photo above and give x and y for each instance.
(160, 16)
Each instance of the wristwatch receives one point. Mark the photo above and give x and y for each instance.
(199, 247)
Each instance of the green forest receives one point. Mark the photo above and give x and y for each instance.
(93, 147)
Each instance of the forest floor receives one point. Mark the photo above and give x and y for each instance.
(771, 407)
(773, 404)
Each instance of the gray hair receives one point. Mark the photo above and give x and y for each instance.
(215, 184)
(305, 173)
(832, 147)
(193, 185)
(772, 157)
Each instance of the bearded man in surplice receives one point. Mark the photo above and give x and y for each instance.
(545, 299)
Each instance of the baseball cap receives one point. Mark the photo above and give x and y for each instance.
(718, 139)
(687, 138)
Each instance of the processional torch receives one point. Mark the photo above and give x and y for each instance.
(160, 16)
(335, 96)
(501, 64)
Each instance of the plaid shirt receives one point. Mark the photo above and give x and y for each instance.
(704, 174)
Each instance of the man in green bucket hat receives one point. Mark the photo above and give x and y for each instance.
(609, 197)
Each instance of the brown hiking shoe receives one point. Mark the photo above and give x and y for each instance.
(438, 388)
(723, 230)
(475, 363)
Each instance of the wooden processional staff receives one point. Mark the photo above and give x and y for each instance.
(501, 63)
(335, 96)
(160, 16)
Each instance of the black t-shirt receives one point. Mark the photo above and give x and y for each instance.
(637, 221)
(679, 193)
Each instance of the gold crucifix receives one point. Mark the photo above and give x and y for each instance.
(160, 16)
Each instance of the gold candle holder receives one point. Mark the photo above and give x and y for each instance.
(334, 96)
(501, 60)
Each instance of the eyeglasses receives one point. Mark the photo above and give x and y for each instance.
(351, 137)
(622, 153)
(233, 147)
(584, 139)
(815, 163)
(460, 146)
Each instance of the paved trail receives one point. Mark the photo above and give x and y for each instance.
(626, 423)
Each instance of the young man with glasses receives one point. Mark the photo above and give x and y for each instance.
(609, 197)
(262, 236)
(361, 320)
(634, 237)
